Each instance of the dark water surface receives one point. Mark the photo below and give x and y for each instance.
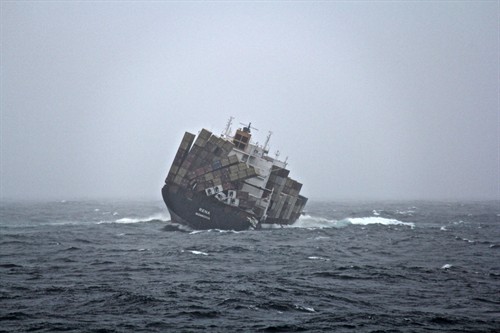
(345, 267)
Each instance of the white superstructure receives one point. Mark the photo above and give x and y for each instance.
(253, 155)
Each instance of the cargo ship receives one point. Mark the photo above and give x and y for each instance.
(228, 182)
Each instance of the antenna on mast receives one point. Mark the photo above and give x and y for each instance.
(227, 131)
(247, 128)
(267, 142)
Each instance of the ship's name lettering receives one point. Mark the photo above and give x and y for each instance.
(204, 211)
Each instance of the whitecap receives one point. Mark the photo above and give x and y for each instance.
(318, 258)
(378, 220)
(375, 213)
(304, 308)
(224, 231)
(63, 223)
(405, 213)
(194, 232)
(311, 222)
(155, 217)
(198, 252)
(271, 226)
(443, 228)
(446, 266)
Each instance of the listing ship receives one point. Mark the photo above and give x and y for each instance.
(229, 182)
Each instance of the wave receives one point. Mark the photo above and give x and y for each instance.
(378, 220)
(157, 217)
(195, 252)
(222, 231)
(170, 226)
(318, 258)
(311, 222)
(162, 217)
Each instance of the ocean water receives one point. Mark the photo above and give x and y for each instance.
(115, 266)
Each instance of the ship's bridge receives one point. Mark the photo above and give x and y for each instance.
(242, 138)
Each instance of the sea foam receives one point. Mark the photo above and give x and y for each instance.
(155, 217)
(378, 220)
(195, 252)
(311, 222)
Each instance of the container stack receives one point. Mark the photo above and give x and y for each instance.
(285, 201)
(299, 206)
(226, 175)
(180, 156)
(277, 181)
(208, 167)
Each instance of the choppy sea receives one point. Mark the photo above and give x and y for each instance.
(116, 266)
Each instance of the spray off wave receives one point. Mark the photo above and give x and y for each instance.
(312, 222)
(162, 217)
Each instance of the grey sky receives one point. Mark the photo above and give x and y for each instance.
(370, 100)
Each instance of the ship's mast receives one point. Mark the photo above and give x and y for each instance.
(227, 131)
(265, 150)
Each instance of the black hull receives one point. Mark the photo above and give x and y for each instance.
(201, 212)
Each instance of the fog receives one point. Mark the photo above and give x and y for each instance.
(382, 100)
